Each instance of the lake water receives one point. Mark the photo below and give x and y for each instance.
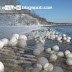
(8, 31)
(64, 29)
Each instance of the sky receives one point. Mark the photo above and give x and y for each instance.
(61, 11)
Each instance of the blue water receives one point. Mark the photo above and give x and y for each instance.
(8, 31)
(63, 29)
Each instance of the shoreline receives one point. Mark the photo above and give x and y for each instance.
(35, 25)
(15, 58)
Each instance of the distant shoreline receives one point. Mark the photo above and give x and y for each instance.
(55, 25)
(36, 25)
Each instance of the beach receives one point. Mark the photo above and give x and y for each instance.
(17, 59)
